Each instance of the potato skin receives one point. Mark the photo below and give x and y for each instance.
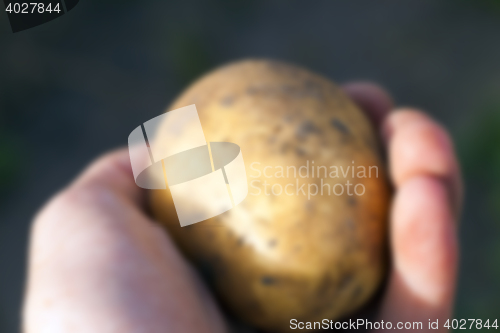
(274, 258)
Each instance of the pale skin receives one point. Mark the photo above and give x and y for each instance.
(98, 262)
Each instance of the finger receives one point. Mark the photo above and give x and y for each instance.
(103, 197)
(99, 264)
(424, 249)
(420, 146)
(371, 98)
(423, 223)
(112, 173)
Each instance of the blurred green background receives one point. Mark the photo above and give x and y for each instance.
(75, 87)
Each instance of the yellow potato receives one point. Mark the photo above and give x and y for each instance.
(282, 256)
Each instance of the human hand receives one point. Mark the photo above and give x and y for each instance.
(98, 263)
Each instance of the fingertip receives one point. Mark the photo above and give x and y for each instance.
(112, 172)
(114, 162)
(418, 145)
(401, 117)
(371, 98)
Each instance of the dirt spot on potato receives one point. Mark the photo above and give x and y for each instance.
(227, 101)
(305, 129)
(268, 280)
(340, 126)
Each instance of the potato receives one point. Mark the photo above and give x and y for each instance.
(294, 255)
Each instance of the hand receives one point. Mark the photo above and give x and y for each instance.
(99, 264)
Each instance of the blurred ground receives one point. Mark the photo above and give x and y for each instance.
(75, 87)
